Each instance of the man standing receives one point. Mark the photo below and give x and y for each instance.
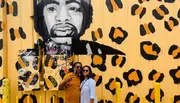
(71, 84)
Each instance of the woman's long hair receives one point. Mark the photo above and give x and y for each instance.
(90, 73)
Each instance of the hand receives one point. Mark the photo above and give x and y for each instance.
(91, 101)
(68, 79)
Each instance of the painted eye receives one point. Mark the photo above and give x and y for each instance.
(51, 8)
(75, 9)
(72, 8)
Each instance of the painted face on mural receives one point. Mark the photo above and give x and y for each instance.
(63, 18)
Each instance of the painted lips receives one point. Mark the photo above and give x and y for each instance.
(63, 30)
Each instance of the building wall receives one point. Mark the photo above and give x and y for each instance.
(131, 46)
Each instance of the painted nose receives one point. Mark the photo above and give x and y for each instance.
(63, 15)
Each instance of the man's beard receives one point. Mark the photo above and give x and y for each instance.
(63, 30)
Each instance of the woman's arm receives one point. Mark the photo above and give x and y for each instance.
(92, 86)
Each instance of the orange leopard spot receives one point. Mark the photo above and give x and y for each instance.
(152, 96)
(177, 74)
(21, 63)
(30, 78)
(156, 76)
(160, 11)
(148, 49)
(178, 101)
(119, 60)
(97, 34)
(134, 76)
(175, 52)
(135, 97)
(171, 24)
(11, 8)
(50, 63)
(97, 60)
(26, 100)
(139, 10)
(147, 29)
(96, 78)
(115, 7)
(48, 83)
(16, 33)
(118, 33)
(112, 85)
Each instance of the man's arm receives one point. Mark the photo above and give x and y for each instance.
(63, 83)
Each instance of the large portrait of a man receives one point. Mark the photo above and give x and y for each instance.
(61, 23)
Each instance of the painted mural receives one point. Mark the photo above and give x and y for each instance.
(134, 43)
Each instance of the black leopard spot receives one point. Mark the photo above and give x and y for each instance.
(156, 76)
(24, 99)
(111, 85)
(146, 29)
(114, 5)
(56, 99)
(178, 14)
(176, 99)
(118, 60)
(171, 23)
(138, 10)
(98, 79)
(149, 50)
(12, 9)
(99, 62)
(169, 1)
(175, 74)
(2, 26)
(174, 51)
(2, 3)
(151, 95)
(20, 87)
(105, 101)
(118, 35)
(17, 33)
(97, 34)
(133, 77)
(160, 12)
(50, 83)
(130, 95)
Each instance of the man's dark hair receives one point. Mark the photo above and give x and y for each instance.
(40, 25)
(73, 66)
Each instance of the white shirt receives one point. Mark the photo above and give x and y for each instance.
(88, 90)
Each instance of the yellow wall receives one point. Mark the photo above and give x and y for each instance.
(103, 19)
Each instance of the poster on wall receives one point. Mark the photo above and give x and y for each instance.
(56, 61)
(28, 68)
(56, 67)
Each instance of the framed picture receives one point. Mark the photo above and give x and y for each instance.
(28, 67)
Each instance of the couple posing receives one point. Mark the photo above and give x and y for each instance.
(79, 85)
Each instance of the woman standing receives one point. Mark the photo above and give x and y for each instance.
(88, 86)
